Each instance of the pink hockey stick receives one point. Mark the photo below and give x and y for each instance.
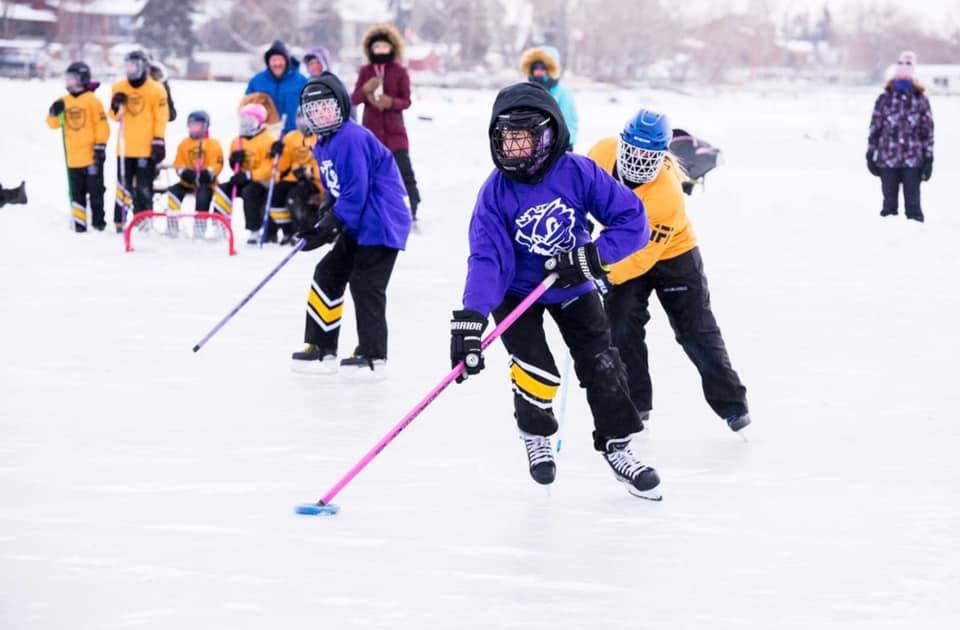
(323, 506)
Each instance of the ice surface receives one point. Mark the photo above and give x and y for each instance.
(143, 486)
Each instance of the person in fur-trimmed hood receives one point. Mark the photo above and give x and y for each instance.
(542, 65)
(900, 145)
(383, 86)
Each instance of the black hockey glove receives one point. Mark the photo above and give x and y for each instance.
(188, 176)
(575, 267)
(158, 150)
(236, 158)
(276, 148)
(872, 164)
(926, 169)
(239, 180)
(325, 231)
(206, 176)
(687, 187)
(57, 108)
(99, 155)
(302, 174)
(119, 99)
(466, 331)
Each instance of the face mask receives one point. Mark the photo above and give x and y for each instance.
(74, 86)
(903, 85)
(249, 126)
(196, 130)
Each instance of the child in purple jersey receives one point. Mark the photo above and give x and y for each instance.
(533, 210)
(369, 223)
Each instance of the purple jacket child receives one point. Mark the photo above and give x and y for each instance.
(901, 129)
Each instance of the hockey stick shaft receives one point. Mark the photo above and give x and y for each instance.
(66, 161)
(273, 180)
(236, 309)
(436, 391)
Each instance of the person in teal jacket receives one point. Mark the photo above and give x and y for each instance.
(542, 65)
(281, 81)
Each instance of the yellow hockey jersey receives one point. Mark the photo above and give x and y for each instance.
(207, 149)
(145, 116)
(671, 233)
(256, 160)
(85, 125)
(298, 153)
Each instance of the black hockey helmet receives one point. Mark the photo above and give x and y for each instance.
(325, 104)
(198, 117)
(78, 77)
(527, 133)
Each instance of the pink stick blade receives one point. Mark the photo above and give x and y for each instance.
(436, 391)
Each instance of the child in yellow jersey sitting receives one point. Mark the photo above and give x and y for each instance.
(298, 191)
(198, 164)
(86, 133)
(671, 265)
(252, 166)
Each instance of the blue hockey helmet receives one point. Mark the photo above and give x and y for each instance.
(643, 144)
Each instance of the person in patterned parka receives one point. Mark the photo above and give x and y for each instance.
(900, 146)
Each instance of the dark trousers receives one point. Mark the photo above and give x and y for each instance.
(86, 182)
(367, 270)
(402, 157)
(254, 195)
(681, 287)
(204, 195)
(534, 374)
(890, 181)
(138, 180)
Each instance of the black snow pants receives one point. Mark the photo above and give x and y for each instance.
(367, 270)
(681, 287)
(534, 374)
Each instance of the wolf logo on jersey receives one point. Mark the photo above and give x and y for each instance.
(547, 229)
(330, 177)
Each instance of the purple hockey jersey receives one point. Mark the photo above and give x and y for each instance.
(517, 226)
(361, 174)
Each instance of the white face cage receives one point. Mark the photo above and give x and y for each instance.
(249, 126)
(638, 165)
(322, 115)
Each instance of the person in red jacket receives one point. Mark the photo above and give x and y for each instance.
(383, 86)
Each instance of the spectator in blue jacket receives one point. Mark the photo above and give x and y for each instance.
(281, 81)
(542, 65)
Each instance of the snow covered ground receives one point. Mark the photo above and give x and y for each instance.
(143, 486)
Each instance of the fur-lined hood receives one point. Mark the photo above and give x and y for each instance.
(384, 30)
(533, 55)
(918, 87)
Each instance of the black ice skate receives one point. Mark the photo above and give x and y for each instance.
(641, 481)
(543, 468)
(314, 360)
(363, 368)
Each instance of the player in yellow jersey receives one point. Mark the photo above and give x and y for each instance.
(198, 163)
(252, 165)
(297, 192)
(85, 133)
(671, 265)
(141, 103)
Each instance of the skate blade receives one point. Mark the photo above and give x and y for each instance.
(314, 368)
(744, 433)
(653, 494)
(316, 509)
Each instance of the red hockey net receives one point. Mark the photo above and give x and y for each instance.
(195, 225)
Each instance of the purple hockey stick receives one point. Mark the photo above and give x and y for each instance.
(296, 248)
(323, 506)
